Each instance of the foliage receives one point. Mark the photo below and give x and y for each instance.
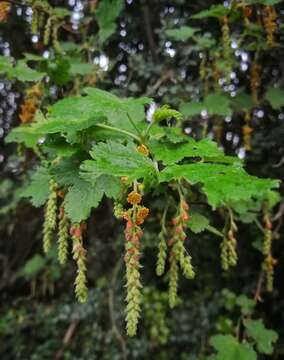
(146, 126)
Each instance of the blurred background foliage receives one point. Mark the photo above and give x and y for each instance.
(135, 48)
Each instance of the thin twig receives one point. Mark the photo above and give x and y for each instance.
(149, 31)
(67, 338)
(257, 294)
(169, 75)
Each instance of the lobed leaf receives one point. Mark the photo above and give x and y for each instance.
(222, 184)
(115, 159)
(263, 337)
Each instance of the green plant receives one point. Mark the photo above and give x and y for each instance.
(109, 149)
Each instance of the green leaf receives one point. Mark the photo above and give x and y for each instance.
(174, 135)
(246, 304)
(214, 104)
(222, 184)
(228, 348)
(263, 2)
(276, 97)
(112, 158)
(24, 73)
(191, 109)
(20, 72)
(214, 11)
(170, 153)
(65, 125)
(99, 101)
(38, 189)
(183, 33)
(218, 104)
(242, 102)
(33, 266)
(6, 64)
(204, 42)
(83, 196)
(263, 337)
(81, 68)
(106, 15)
(60, 12)
(24, 134)
(197, 222)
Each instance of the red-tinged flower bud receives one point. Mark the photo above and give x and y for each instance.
(175, 220)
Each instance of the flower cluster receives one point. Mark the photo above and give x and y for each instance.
(178, 253)
(63, 235)
(255, 72)
(135, 216)
(79, 255)
(4, 11)
(229, 255)
(226, 41)
(142, 149)
(50, 217)
(30, 104)
(247, 131)
(270, 25)
(269, 261)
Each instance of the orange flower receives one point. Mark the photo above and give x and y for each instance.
(142, 149)
(134, 198)
(141, 215)
(247, 130)
(28, 110)
(4, 11)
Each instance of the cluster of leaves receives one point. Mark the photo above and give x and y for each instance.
(94, 153)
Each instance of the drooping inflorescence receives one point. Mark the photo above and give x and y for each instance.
(269, 261)
(247, 131)
(228, 246)
(31, 103)
(4, 11)
(178, 252)
(255, 72)
(63, 236)
(226, 43)
(134, 216)
(50, 216)
(80, 256)
(269, 20)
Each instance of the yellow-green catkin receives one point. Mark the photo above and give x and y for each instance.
(178, 253)
(203, 73)
(134, 216)
(269, 261)
(47, 31)
(50, 216)
(133, 233)
(162, 254)
(80, 256)
(228, 245)
(255, 80)
(226, 40)
(247, 131)
(173, 277)
(229, 255)
(35, 21)
(63, 235)
(54, 36)
(270, 24)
